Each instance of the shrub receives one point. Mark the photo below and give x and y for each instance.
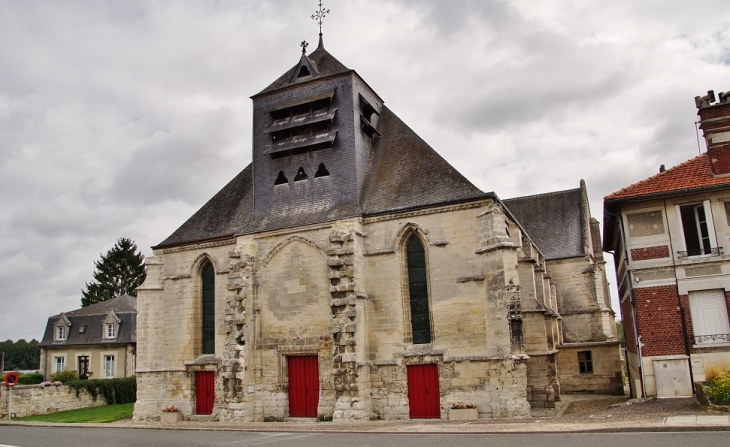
(114, 391)
(64, 376)
(718, 389)
(30, 379)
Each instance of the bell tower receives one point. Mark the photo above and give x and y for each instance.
(312, 136)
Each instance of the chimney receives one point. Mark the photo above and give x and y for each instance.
(661, 169)
(715, 125)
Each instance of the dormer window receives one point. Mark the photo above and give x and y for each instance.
(60, 328)
(111, 326)
(304, 71)
(82, 329)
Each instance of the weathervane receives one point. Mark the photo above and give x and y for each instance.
(319, 15)
(304, 46)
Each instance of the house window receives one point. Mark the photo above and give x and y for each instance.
(110, 330)
(708, 309)
(418, 291)
(208, 309)
(585, 362)
(109, 366)
(61, 333)
(698, 229)
(59, 364)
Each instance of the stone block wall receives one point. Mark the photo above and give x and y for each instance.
(606, 377)
(497, 387)
(29, 400)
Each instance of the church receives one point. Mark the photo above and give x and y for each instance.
(350, 272)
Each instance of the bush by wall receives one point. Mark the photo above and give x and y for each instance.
(30, 379)
(718, 389)
(114, 391)
(64, 376)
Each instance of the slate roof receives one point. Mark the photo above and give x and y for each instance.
(554, 221)
(93, 318)
(692, 174)
(226, 214)
(405, 172)
(320, 59)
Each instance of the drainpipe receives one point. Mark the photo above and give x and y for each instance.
(682, 316)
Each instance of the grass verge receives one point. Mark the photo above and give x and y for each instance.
(94, 415)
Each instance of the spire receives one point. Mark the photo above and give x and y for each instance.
(321, 42)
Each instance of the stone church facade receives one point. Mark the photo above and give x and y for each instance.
(350, 272)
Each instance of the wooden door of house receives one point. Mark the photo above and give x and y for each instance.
(423, 392)
(303, 386)
(204, 392)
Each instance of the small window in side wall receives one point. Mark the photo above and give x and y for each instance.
(281, 179)
(321, 171)
(727, 212)
(585, 362)
(301, 175)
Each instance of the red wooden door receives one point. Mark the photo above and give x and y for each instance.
(303, 386)
(423, 392)
(204, 392)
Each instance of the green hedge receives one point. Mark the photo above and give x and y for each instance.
(114, 391)
(30, 379)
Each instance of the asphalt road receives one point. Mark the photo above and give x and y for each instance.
(120, 437)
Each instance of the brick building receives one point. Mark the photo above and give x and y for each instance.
(351, 272)
(670, 234)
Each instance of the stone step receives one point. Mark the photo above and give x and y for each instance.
(200, 418)
(300, 419)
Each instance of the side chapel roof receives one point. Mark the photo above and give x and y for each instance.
(555, 221)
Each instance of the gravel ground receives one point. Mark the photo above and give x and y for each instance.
(587, 408)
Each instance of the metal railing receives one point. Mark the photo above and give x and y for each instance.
(699, 252)
(711, 338)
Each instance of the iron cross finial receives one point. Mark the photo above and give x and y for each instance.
(304, 46)
(319, 15)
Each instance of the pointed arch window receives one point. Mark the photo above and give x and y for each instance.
(418, 291)
(208, 309)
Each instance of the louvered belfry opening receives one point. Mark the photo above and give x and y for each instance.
(418, 291)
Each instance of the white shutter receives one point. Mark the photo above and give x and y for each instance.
(709, 312)
(710, 225)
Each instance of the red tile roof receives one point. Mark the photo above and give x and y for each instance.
(691, 174)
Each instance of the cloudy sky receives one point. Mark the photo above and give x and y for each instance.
(121, 118)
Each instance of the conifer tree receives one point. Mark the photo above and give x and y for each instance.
(120, 271)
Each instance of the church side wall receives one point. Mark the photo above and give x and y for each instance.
(169, 325)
